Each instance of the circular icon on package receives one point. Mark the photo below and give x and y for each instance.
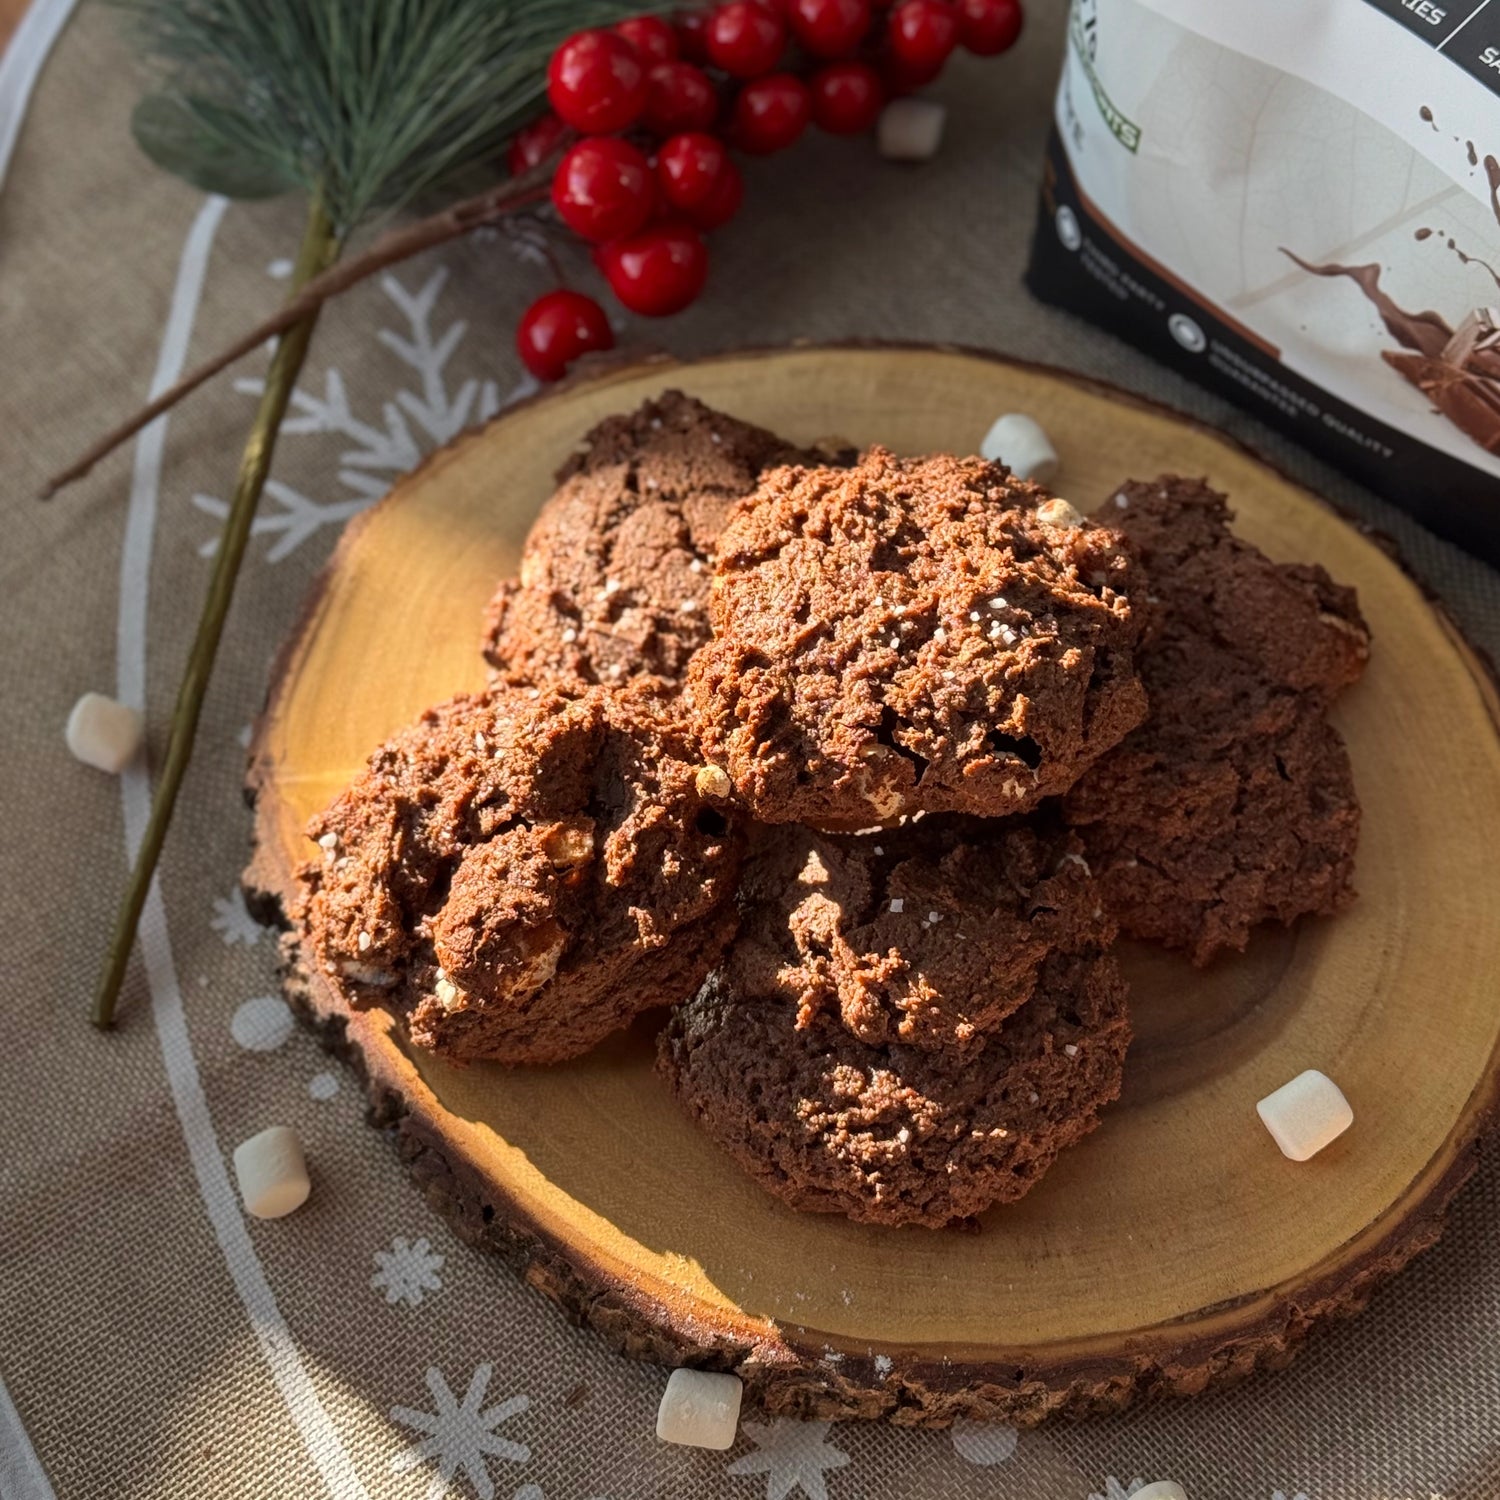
(1187, 333)
(1067, 228)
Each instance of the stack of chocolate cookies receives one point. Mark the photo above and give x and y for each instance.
(859, 764)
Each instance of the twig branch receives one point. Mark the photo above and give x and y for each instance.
(452, 223)
(320, 249)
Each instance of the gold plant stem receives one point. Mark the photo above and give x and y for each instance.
(320, 249)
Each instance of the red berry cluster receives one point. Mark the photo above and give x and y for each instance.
(659, 104)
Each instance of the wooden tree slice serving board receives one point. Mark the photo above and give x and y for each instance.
(1176, 1246)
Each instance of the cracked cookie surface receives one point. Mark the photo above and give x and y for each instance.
(614, 575)
(912, 635)
(1234, 803)
(519, 873)
(929, 935)
(894, 1134)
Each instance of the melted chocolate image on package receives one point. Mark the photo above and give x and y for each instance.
(1457, 369)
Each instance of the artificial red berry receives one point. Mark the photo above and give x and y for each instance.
(745, 38)
(722, 203)
(653, 39)
(596, 82)
(922, 34)
(846, 98)
(989, 27)
(557, 328)
(770, 113)
(679, 97)
(658, 271)
(829, 28)
(603, 188)
(688, 168)
(691, 27)
(534, 143)
(900, 79)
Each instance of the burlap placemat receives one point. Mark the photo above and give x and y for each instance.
(152, 1340)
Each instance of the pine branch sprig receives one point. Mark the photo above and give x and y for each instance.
(363, 106)
(374, 103)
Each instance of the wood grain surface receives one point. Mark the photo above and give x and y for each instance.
(1175, 1247)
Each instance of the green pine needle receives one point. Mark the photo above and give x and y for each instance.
(371, 102)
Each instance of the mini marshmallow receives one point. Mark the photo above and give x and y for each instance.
(104, 734)
(1306, 1114)
(1021, 445)
(910, 129)
(1163, 1489)
(272, 1173)
(700, 1409)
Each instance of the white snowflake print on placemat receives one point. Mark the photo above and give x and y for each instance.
(233, 922)
(298, 519)
(792, 1455)
(322, 1086)
(460, 1435)
(407, 1270)
(983, 1443)
(526, 236)
(262, 1023)
(421, 417)
(1114, 1490)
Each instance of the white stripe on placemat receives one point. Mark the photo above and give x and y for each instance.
(321, 1438)
(21, 66)
(21, 1474)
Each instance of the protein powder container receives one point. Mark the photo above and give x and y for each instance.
(1297, 203)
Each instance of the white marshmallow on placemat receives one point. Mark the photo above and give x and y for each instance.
(1019, 443)
(1162, 1489)
(700, 1409)
(104, 734)
(910, 129)
(272, 1173)
(1306, 1114)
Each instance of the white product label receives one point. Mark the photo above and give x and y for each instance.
(1320, 173)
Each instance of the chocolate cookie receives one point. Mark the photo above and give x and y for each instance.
(1290, 623)
(614, 576)
(897, 1134)
(519, 874)
(913, 635)
(1234, 803)
(929, 935)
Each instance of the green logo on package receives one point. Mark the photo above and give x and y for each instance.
(1083, 33)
